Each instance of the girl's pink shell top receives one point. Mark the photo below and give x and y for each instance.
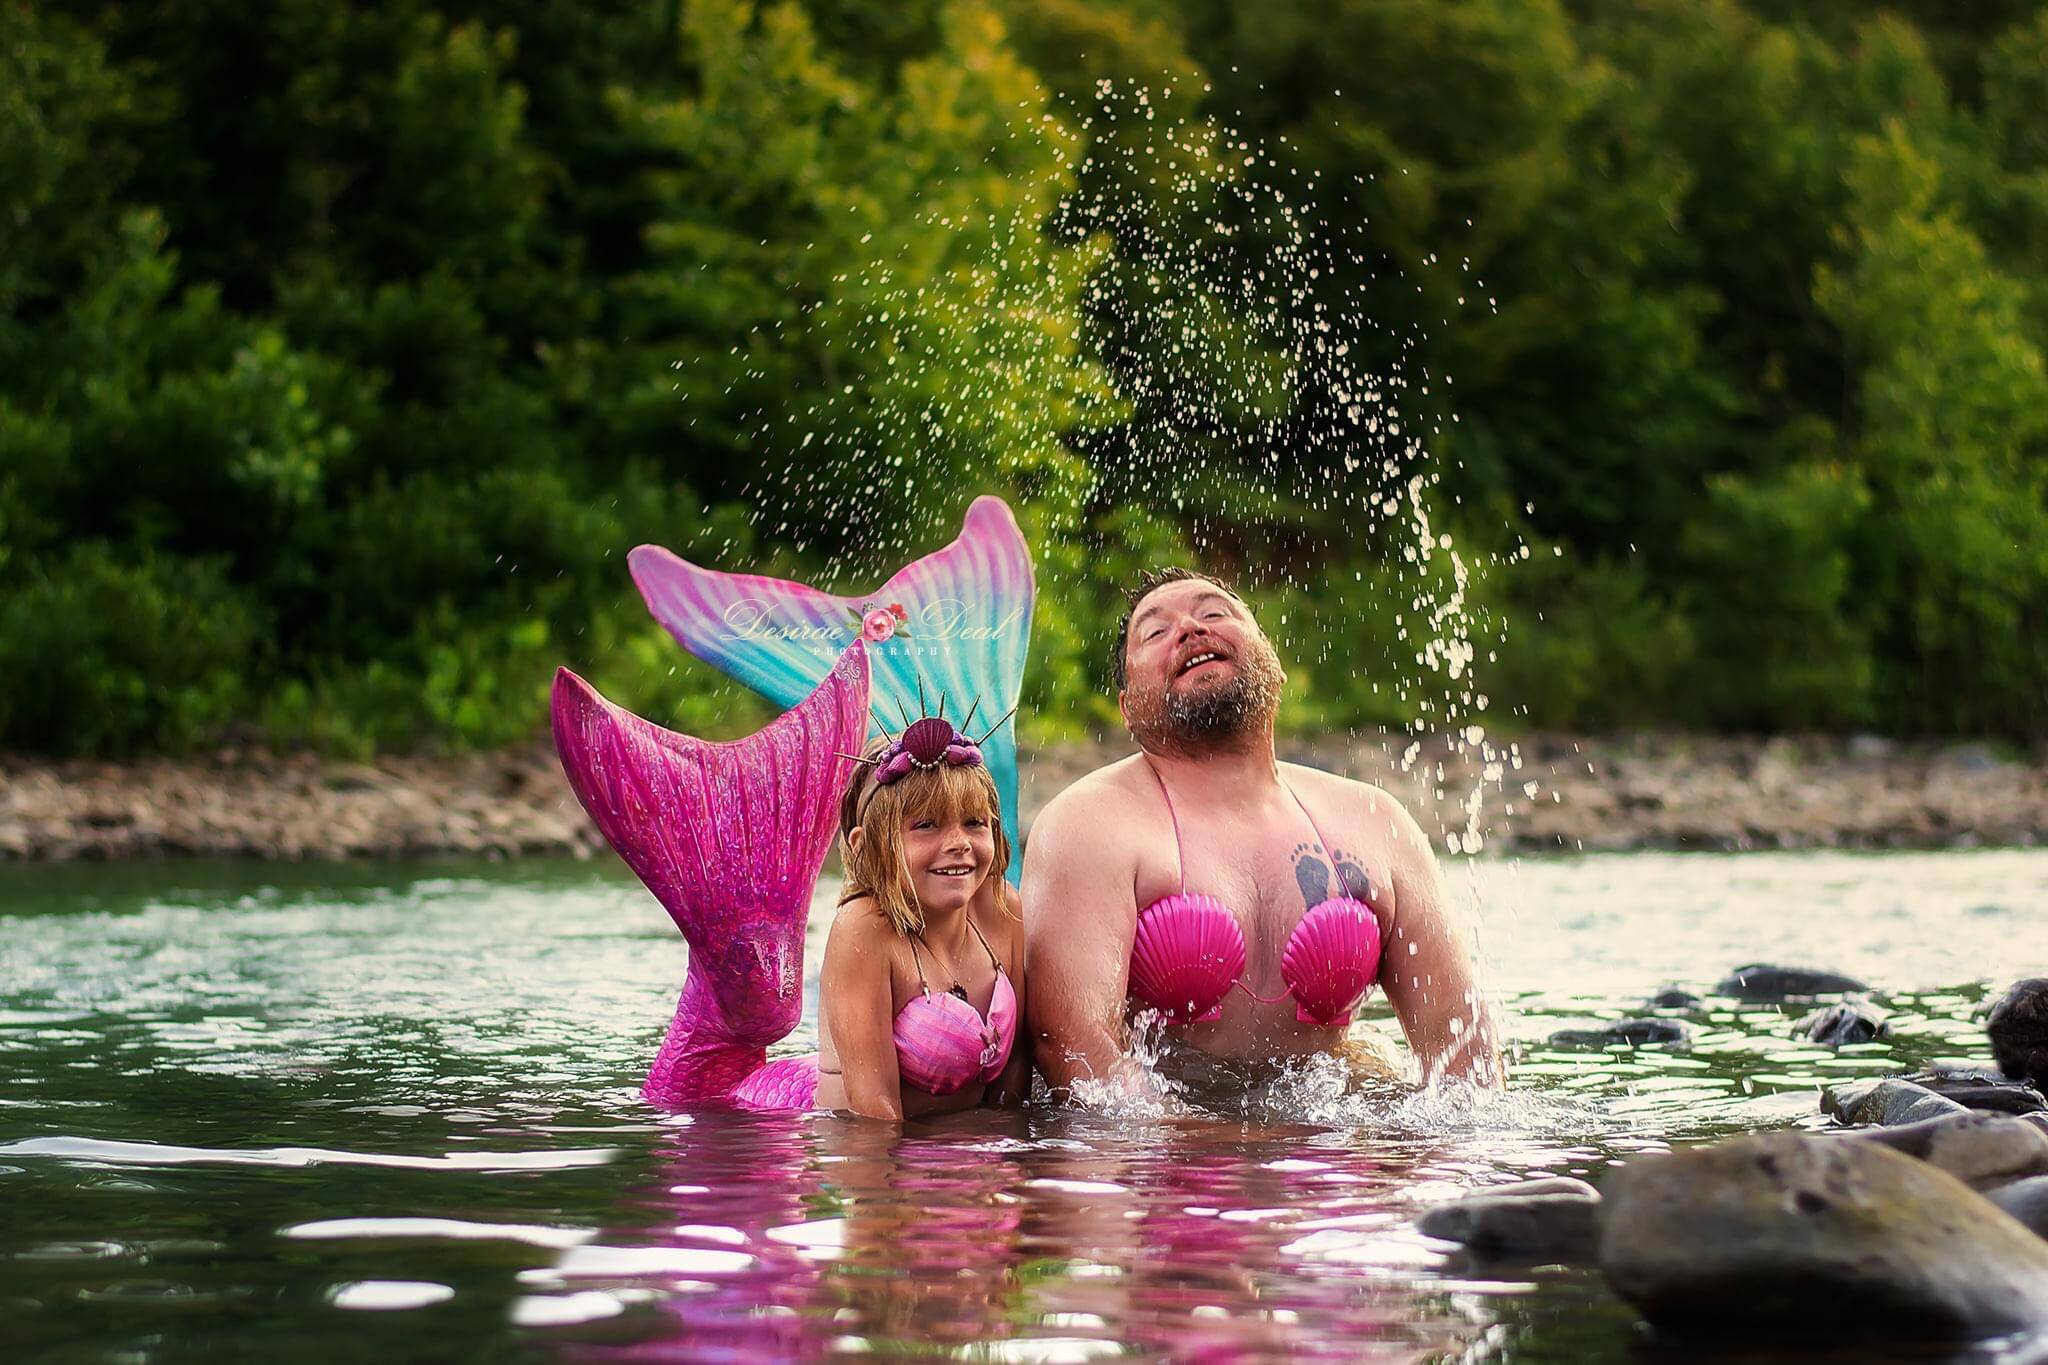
(943, 1043)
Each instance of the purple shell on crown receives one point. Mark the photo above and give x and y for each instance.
(1332, 959)
(894, 768)
(927, 740)
(1186, 954)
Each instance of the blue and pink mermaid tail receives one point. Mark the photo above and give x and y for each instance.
(730, 838)
(966, 627)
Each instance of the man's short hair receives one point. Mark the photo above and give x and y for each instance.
(1153, 580)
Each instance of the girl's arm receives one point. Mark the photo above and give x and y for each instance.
(855, 996)
(1013, 1087)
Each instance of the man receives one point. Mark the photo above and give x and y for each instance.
(1206, 807)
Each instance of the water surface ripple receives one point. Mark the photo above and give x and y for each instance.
(391, 1113)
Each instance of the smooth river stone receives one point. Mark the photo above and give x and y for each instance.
(1626, 1033)
(2025, 1200)
(1890, 1101)
(1763, 982)
(1984, 1090)
(1847, 1021)
(1789, 1234)
(1553, 1223)
(2018, 1028)
(1976, 1149)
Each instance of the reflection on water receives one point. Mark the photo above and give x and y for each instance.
(1049, 1237)
(391, 1113)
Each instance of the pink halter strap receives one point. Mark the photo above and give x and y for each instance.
(1329, 849)
(917, 938)
(1180, 860)
(1181, 866)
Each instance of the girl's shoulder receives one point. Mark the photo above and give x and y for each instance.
(1012, 904)
(1005, 928)
(860, 925)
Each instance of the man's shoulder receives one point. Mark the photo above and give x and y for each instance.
(1346, 791)
(1109, 786)
(1093, 808)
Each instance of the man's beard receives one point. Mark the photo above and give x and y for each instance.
(1215, 719)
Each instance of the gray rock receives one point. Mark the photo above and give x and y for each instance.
(1561, 1225)
(1848, 1021)
(2018, 1026)
(1977, 1149)
(1973, 757)
(1788, 1233)
(1672, 998)
(1549, 1184)
(1626, 1032)
(1984, 1090)
(1764, 982)
(2025, 1200)
(1889, 1101)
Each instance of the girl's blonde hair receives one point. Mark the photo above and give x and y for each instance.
(877, 868)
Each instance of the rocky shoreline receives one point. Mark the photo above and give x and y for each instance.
(1545, 792)
(1917, 1214)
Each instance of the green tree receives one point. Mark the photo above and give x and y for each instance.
(1783, 634)
(1951, 421)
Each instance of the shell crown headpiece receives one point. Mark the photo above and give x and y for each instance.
(929, 741)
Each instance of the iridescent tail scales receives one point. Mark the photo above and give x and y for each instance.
(730, 838)
(965, 632)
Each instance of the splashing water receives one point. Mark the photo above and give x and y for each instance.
(1227, 377)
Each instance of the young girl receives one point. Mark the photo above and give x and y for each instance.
(922, 993)
(731, 837)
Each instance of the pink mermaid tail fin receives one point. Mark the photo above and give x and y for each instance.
(785, 1083)
(730, 838)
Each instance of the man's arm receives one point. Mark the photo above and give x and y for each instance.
(1079, 916)
(1426, 967)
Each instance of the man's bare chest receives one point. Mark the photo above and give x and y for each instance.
(1266, 873)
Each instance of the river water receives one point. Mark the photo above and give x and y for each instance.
(365, 1112)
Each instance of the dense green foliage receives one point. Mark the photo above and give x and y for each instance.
(345, 349)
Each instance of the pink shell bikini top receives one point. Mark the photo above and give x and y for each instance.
(943, 1043)
(1188, 951)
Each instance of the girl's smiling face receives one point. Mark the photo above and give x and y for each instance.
(927, 841)
(948, 855)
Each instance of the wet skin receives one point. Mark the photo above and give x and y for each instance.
(871, 972)
(1107, 846)
(1312, 875)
